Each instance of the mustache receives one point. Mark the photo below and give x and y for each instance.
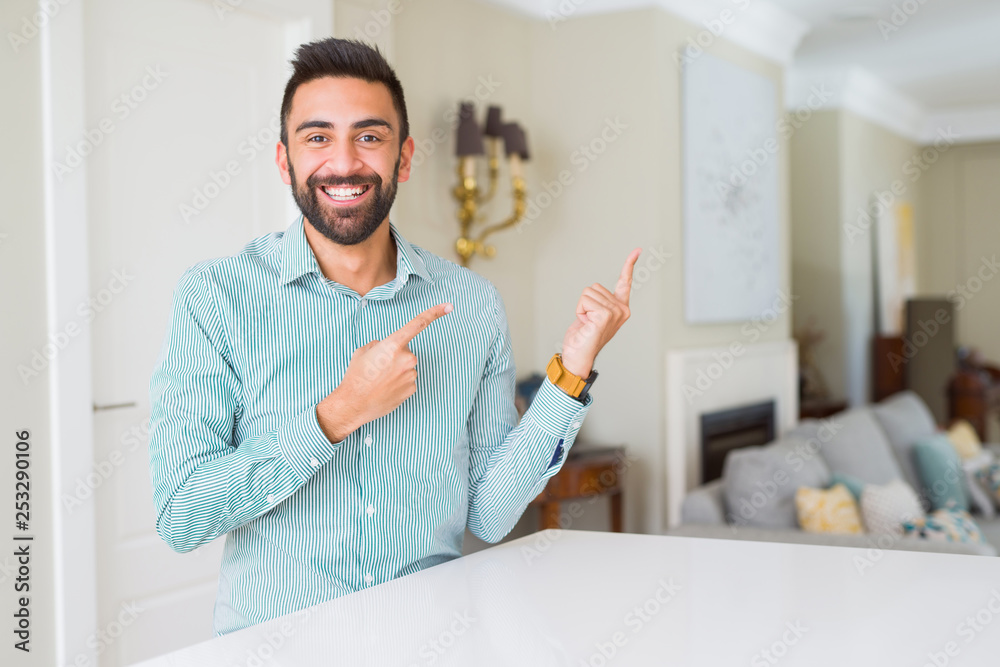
(334, 181)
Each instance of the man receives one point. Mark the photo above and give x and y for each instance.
(336, 400)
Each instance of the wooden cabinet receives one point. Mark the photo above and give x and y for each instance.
(585, 473)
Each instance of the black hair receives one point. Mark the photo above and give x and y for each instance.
(346, 58)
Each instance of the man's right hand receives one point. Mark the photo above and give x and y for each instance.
(380, 376)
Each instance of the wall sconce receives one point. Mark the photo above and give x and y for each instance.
(469, 147)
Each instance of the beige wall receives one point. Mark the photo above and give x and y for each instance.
(589, 70)
(816, 238)
(441, 58)
(23, 264)
(872, 159)
(614, 203)
(959, 229)
(612, 75)
(839, 161)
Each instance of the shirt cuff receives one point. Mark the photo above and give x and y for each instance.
(557, 413)
(303, 444)
(557, 455)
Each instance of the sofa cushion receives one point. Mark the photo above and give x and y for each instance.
(988, 477)
(853, 484)
(990, 528)
(759, 483)
(887, 507)
(965, 440)
(855, 445)
(947, 525)
(862, 541)
(980, 498)
(941, 475)
(804, 429)
(832, 510)
(704, 504)
(906, 420)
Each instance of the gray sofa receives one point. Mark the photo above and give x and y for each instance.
(755, 498)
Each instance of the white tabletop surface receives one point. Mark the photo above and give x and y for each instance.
(593, 599)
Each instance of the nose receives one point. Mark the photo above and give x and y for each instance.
(343, 159)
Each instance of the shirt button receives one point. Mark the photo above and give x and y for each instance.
(369, 578)
(371, 510)
(270, 498)
(314, 462)
(368, 439)
(364, 300)
(575, 424)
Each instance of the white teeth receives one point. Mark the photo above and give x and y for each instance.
(345, 193)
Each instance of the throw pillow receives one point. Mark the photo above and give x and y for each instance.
(832, 510)
(946, 526)
(885, 508)
(941, 473)
(759, 483)
(989, 477)
(980, 498)
(965, 440)
(853, 484)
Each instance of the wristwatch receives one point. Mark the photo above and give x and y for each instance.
(572, 384)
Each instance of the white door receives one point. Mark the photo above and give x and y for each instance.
(184, 97)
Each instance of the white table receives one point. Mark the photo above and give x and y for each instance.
(593, 599)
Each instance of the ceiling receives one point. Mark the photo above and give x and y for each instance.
(945, 54)
(907, 64)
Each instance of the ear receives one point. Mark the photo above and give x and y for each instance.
(406, 159)
(281, 159)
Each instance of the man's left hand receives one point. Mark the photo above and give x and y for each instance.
(599, 315)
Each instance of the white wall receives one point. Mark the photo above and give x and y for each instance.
(23, 267)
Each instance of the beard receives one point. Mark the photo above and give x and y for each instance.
(348, 225)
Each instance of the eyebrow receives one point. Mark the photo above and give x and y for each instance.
(358, 125)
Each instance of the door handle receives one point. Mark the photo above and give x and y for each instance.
(113, 406)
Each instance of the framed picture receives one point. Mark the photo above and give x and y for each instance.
(731, 192)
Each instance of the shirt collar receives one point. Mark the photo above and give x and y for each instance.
(298, 259)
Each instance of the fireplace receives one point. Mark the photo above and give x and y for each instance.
(697, 385)
(726, 430)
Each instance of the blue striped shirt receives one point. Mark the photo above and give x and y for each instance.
(255, 341)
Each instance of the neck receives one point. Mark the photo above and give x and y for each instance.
(360, 267)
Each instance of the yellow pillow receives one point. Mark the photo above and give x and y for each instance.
(965, 440)
(832, 510)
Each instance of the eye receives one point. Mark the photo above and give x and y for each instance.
(316, 136)
(364, 138)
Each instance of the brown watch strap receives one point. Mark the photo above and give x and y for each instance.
(558, 375)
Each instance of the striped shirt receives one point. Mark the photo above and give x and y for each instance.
(255, 341)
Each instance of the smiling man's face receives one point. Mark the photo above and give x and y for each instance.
(344, 158)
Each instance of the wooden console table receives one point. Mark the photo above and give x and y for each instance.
(822, 408)
(973, 393)
(585, 473)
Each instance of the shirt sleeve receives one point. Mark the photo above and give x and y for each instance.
(204, 485)
(511, 462)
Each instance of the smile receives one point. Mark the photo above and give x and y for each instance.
(346, 195)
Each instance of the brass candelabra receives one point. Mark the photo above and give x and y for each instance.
(472, 240)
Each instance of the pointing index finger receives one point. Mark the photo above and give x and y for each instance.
(624, 286)
(406, 333)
